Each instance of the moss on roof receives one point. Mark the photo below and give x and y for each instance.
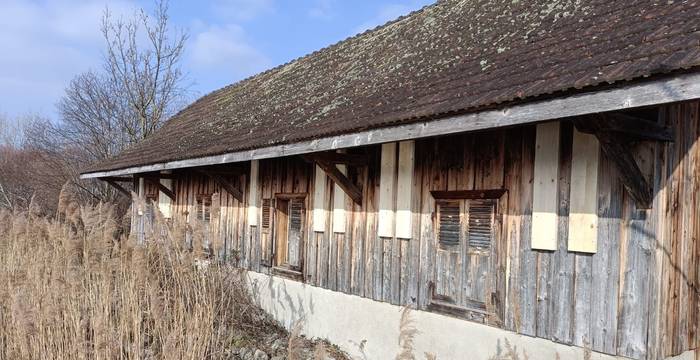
(453, 56)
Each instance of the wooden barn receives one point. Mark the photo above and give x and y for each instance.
(522, 174)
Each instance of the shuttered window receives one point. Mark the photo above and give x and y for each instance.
(480, 228)
(203, 207)
(449, 225)
(469, 220)
(266, 212)
(296, 215)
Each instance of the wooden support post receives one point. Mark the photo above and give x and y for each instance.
(338, 177)
(164, 189)
(224, 183)
(115, 185)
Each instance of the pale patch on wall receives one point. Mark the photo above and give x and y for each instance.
(583, 216)
(546, 187)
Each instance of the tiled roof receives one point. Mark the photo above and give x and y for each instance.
(455, 56)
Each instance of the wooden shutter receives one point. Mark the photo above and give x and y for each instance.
(449, 225)
(266, 213)
(481, 222)
(296, 226)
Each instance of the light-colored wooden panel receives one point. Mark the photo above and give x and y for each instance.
(319, 212)
(583, 213)
(387, 186)
(164, 202)
(339, 205)
(253, 194)
(404, 189)
(544, 207)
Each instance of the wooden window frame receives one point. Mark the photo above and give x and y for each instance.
(474, 310)
(203, 201)
(286, 270)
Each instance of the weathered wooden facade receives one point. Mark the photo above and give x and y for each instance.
(535, 169)
(634, 296)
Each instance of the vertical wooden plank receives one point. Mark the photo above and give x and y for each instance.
(319, 210)
(606, 262)
(253, 193)
(638, 242)
(544, 213)
(526, 319)
(404, 190)
(164, 202)
(583, 214)
(339, 201)
(387, 186)
(562, 266)
(358, 230)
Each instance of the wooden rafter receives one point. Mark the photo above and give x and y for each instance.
(224, 183)
(116, 185)
(617, 148)
(340, 179)
(164, 189)
(342, 158)
(118, 178)
(632, 127)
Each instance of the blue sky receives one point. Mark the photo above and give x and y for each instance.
(43, 44)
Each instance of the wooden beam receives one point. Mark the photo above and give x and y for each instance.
(629, 126)
(467, 194)
(224, 183)
(630, 174)
(118, 178)
(342, 158)
(617, 149)
(666, 90)
(115, 185)
(338, 177)
(157, 175)
(164, 189)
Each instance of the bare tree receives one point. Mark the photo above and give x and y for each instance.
(104, 112)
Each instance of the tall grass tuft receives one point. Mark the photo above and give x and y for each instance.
(73, 288)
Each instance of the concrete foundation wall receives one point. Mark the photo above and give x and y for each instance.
(369, 329)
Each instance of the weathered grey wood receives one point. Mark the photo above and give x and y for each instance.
(606, 262)
(627, 126)
(116, 185)
(675, 88)
(164, 189)
(339, 178)
(618, 150)
(225, 183)
(562, 266)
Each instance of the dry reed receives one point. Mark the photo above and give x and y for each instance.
(74, 289)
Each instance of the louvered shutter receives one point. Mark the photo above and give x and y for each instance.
(480, 227)
(296, 224)
(266, 213)
(449, 223)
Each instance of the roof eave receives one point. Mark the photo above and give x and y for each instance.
(670, 89)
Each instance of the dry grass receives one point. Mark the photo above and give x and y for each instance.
(75, 289)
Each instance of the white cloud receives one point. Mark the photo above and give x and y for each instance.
(45, 44)
(242, 9)
(386, 13)
(221, 55)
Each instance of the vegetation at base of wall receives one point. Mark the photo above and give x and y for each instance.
(74, 288)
